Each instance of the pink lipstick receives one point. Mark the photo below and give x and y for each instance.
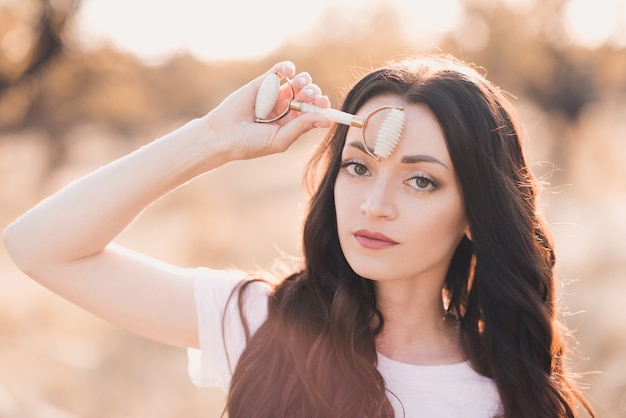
(373, 240)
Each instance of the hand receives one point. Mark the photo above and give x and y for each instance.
(232, 122)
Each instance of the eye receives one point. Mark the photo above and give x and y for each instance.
(422, 183)
(359, 169)
(354, 169)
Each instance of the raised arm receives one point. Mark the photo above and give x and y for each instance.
(65, 242)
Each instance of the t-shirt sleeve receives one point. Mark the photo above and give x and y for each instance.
(221, 333)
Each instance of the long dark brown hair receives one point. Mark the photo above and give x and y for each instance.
(315, 356)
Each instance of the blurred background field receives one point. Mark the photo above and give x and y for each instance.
(74, 96)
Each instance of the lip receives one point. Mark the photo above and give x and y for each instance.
(373, 240)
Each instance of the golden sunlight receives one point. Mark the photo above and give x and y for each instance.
(593, 23)
(236, 29)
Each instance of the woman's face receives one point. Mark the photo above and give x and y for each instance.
(402, 217)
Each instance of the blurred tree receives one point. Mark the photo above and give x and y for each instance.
(48, 87)
(528, 51)
(31, 35)
(567, 87)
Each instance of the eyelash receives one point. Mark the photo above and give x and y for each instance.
(348, 168)
(433, 184)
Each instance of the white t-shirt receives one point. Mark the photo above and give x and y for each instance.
(450, 391)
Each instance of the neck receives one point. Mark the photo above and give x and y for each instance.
(416, 328)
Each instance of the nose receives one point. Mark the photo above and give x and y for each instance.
(378, 202)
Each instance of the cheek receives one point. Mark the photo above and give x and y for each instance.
(444, 220)
(344, 200)
(348, 201)
(453, 222)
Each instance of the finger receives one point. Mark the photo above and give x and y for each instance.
(302, 80)
(309, 93)
(322, 101)
(283, 69)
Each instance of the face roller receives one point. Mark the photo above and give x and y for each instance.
(388, 135)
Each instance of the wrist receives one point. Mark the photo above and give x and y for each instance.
(202, 144)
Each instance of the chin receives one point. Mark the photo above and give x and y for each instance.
(372, 272)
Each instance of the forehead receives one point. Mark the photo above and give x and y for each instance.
(422, 133)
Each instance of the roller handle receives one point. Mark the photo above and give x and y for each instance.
(332, 114)
(267, 97)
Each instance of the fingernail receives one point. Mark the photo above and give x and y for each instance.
(301, 81)
(308, 92)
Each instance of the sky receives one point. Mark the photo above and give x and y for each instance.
(244, 29)
(230, 29)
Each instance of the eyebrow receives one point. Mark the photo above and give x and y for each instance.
(407, 159)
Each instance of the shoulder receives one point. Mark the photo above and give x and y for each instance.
(220, 286)
(226, 297)
(227, 316)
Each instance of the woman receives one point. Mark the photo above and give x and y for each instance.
(427, 287)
